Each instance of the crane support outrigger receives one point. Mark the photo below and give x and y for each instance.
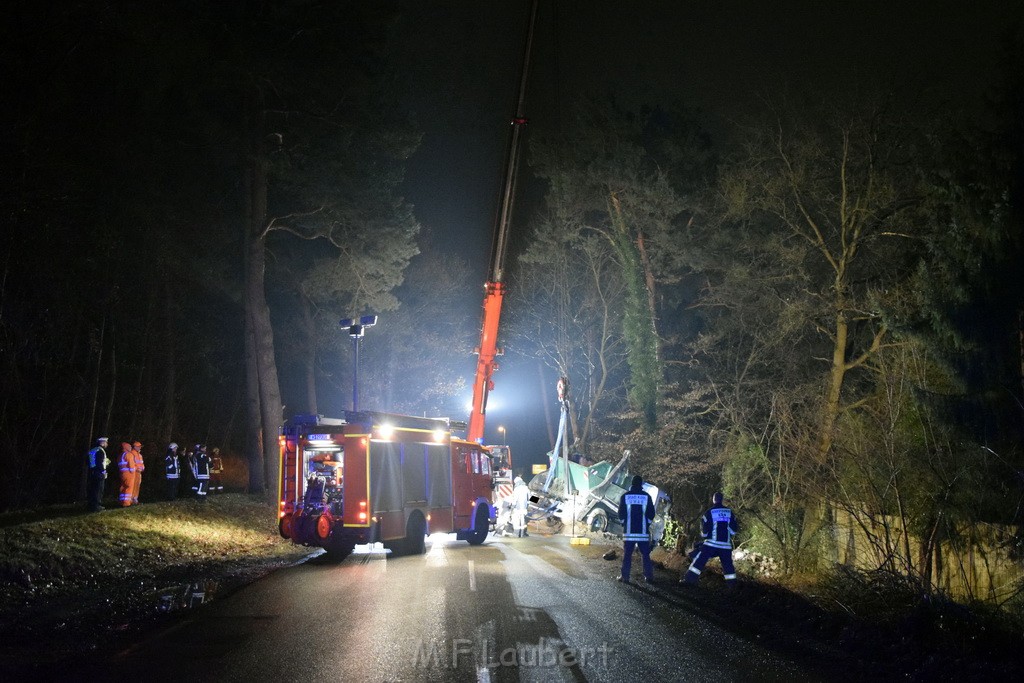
(494, 290)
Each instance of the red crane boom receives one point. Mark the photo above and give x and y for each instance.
(494, 290)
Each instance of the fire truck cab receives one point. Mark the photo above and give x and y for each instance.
(372, 477)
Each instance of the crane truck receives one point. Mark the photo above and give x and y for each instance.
(371, 476)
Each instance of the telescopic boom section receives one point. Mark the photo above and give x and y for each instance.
(494, 291)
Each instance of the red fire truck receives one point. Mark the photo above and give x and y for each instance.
(395, 478)
(372, 477)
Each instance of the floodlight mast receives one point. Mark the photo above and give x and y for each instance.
(356, 330)
(494, 290)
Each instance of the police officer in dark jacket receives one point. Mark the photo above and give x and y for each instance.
(636, 510)
(172, 470)
(97, 461)
(718, 526)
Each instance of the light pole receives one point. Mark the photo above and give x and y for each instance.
(356, 330)
(502, 430)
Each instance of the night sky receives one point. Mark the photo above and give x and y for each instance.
(462, 60)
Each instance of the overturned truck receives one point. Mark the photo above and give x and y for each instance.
(574, 491)
(587, 495)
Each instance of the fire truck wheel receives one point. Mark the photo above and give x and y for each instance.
(480, 526)
(323, 527)
(598, 520)
(285, 526)
(416, 535)
(338, 549)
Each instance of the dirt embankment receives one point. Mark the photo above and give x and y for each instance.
(849, 625)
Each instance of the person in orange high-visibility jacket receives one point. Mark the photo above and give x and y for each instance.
(126, 464)
(139, 467)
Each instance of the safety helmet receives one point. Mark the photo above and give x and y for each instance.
(137, 444)
(197, 447)
(717, 498)
(102, 439)
(173, 446)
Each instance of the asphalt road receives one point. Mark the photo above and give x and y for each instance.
(512, 609)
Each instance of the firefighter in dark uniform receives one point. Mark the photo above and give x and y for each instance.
(718, 526)
(202, 471)
(636, 510)
(216, 470)
(98, 462)
(172, 470)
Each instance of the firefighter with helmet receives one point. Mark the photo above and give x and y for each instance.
(216, 470)
(202, 472)
(636, 511)
(172, 470)
(98, 463)
(718, 526)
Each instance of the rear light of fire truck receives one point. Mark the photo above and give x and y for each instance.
(362, 511)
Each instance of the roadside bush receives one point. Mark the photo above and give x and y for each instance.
(673, 530)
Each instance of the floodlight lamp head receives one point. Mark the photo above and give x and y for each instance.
(356, 328)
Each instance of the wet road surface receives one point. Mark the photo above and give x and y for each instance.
(511, 609)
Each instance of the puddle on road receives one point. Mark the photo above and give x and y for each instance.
(554, 558)
(185, 596)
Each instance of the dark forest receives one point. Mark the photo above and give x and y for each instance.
(813, 302)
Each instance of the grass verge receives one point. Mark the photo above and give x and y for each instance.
(80, 581)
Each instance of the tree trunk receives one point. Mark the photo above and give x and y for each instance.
(645, 261)
(113, 385)
(170, 415)
(254, 420)
(837, 374)
(310, 360)
(1020, 349)
(638, 327)
(260, 340)
(83, 484)
(546, 402)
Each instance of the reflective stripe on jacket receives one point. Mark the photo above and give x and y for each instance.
(172, 466)
(636, 510)
(202, 469)
(719, 526)
(97, 457)
(127, 461)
